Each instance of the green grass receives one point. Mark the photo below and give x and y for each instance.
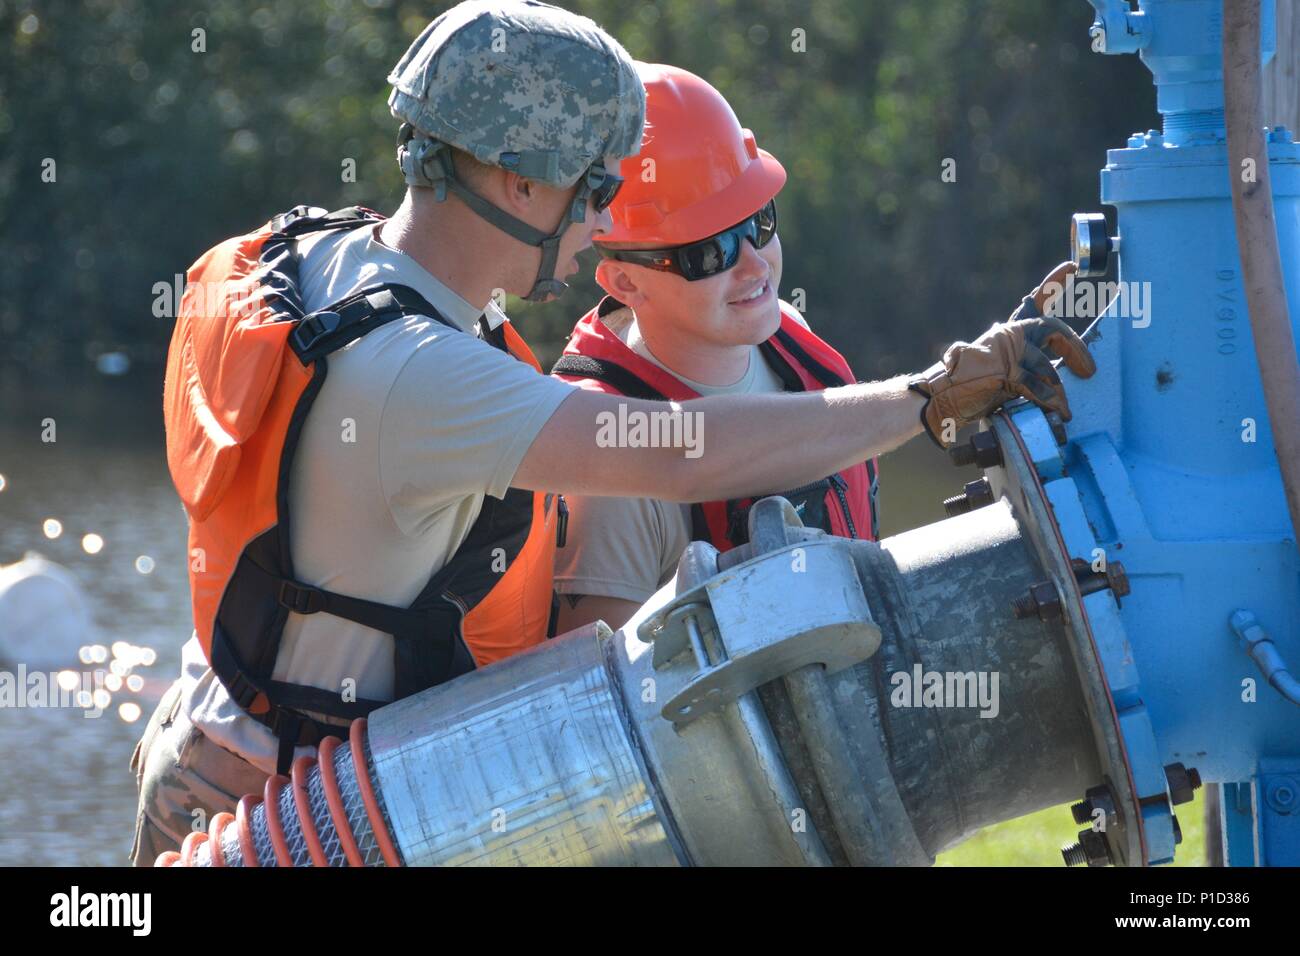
(1036, 840)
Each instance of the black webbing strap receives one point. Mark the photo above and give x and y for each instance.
(790, 380)
(293, 729)
(424, 637)
(331, 328)
(829, 379)
(600, 370)
(424, 652)
(290, 726)
(826, 376)
(495, 337)
(303, 219)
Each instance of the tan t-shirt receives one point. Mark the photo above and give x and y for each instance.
(629, 547)
(415, 423)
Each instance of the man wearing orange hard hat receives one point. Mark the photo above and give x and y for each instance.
(692, 268)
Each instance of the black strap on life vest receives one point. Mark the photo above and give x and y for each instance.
(627, 383)
(828, 379)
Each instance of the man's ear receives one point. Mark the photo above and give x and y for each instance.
(518, 192)
(619, 281)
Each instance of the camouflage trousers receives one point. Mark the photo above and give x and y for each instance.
(183, 779)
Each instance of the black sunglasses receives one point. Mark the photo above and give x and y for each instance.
(707, 257)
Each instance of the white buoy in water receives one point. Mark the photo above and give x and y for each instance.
(43, 615)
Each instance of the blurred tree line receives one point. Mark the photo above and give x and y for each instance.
(168, 127)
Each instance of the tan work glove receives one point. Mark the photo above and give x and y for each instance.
(1008, 361)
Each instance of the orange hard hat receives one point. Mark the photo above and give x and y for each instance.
(698, 171)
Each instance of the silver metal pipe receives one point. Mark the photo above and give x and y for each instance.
(746, 716)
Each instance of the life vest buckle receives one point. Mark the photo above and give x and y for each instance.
(312, 328)
(242, 690)
(301, 598)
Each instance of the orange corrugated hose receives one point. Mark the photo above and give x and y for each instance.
(242, 818)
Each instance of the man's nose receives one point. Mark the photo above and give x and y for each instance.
(604, 221)
(750, 263)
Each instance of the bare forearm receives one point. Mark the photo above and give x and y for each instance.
(718, 447)
(770, 442)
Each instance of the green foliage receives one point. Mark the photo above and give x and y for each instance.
(161, 151)
(1036, 840)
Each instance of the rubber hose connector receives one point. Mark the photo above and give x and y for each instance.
(328, 812)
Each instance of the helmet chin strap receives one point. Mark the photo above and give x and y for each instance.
(427, 162)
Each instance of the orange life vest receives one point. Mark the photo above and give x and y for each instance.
(244, 366)
(843, 504)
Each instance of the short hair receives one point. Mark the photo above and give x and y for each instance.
(468, 169)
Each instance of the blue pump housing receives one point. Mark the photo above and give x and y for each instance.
(1169, 465)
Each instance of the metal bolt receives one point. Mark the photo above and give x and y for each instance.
(1042, 602)
(980, 492)
(1281, 795)
(956, 505)
(962, 455)
(1097, 798)
(975, 494)
(1182, 782)
(1074, 855)
(1118, 579)
(982, 450)
(1091, 849)
(1095, 845)
(1090, 581)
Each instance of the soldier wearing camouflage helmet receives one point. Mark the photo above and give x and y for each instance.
(522, 86)
(423, 472)
(406, 519)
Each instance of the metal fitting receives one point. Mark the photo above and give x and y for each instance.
(1114, 577)
(982, 450)
(1097, 798)
(1283, 795)
(974, 494)
(1043, 602)
(1091, 849)
(1182, 782)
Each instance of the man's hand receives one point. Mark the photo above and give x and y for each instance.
(1010, 360)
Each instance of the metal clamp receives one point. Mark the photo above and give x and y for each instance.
(761, 620)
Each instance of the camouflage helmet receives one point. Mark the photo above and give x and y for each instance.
(522, 85)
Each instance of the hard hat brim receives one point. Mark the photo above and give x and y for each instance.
(644, 226)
